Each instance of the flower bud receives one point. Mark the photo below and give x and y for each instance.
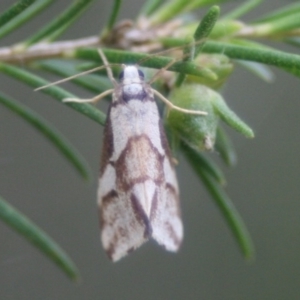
(197, 131)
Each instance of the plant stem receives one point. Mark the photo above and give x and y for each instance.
(46, 50)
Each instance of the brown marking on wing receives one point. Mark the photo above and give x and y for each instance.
(154, 205)
(165, 218)
(108, 143)
(139, 161)
(173, 191)
(109, 197)
(123, 224)
(172, 234)
(141, 216)
(164, 142)
(173, 206)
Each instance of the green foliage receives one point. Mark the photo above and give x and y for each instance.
(37, 237)
(198, 132)
(49, 132)
(216, 42)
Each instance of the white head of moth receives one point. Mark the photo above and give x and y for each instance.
(138, 194)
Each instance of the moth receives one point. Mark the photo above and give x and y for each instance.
(138, 193)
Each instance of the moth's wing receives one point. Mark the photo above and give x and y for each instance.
(124, 226)
(165, 218)
(122, 231)
(167, 228)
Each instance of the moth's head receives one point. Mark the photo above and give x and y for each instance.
(131, 74)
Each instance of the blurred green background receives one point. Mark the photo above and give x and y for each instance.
(264, 187)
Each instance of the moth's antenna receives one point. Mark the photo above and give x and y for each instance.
(90, 100)
(69, 78)
(174, 60)
(172, 106)
(77, 75)
(142, 60)
(107, 66)
(104, 94)
(149, 56)
(162, 70)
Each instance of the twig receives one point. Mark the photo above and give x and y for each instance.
(17, 53)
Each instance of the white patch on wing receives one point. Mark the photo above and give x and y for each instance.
(170, 174)
(107, 182)
(166, 222)
(144, 192)
(121, 231)
(133, 119)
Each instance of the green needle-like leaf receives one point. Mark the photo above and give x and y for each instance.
(189, 54)
(24, 16)
(285, 61)
(202, 31)
(260, 70)
(71, 13)
(49, 132)
(192, 5)
(294, 72)
(231, 215)
(229, 117)
(225, 148)
(200, 161)
(14, 10)
(225, 205)
(277, 26)
(113, 17)
(168, 11)
(242, 9)
(150, 7)
(173, 8)
(54, 91)
(206, 26)
(293, 41)
(280, 13)
(59, 31)
(156, 62)
(38, 238)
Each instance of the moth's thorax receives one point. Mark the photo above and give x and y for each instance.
(133, 84)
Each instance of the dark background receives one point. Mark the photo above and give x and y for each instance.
(264, 187)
